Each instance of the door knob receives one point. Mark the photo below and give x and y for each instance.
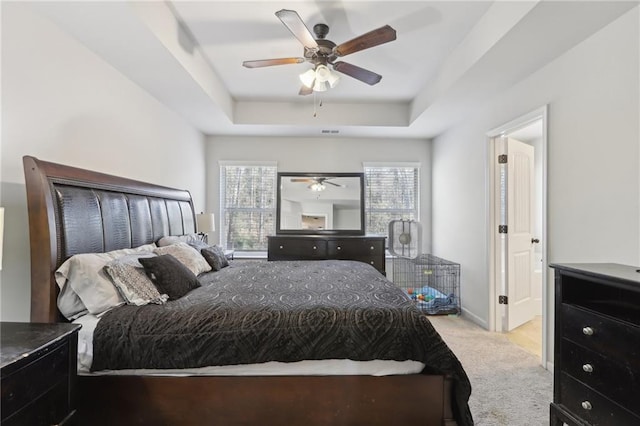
(535, 241)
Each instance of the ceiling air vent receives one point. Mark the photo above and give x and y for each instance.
(332, 132)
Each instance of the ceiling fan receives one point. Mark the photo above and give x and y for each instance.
(317, 184)
(322, 52)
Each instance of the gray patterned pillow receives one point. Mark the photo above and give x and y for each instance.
(130, 279)
(187, 255)
(215, 257)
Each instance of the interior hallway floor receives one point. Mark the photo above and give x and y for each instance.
(529, 336)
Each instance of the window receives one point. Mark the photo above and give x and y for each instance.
(247, 204)
(391, 192)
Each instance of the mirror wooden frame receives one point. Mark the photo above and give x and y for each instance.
(280, 231)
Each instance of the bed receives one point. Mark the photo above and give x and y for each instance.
(74, 211)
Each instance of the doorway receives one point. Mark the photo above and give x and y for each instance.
(314, 222)
(517, 252)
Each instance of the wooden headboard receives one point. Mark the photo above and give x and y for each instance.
(74, 211)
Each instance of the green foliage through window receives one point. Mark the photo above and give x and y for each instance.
(390, 193)
(248, 205)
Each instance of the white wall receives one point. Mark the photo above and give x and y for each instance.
(593, 163)
(61, 103)
(322, 154)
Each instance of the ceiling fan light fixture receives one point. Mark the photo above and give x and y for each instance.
(317, 186)
(307, 78)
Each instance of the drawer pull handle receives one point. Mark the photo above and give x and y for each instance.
(281, 247)
(339, 248)
(588, 368)
(314, 247)
(587, 331)
(586, 405)
(372, 247)
(372, 262)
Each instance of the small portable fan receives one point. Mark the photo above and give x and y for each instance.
(405, 238)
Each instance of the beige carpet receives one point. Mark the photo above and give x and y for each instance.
(509, 387)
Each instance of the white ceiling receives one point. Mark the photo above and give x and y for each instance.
(448, 57)
(231, 33)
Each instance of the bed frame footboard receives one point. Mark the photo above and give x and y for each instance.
(315, 400)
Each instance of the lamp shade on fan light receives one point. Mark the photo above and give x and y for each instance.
(324, 75)
(206, 222)
(307, 78)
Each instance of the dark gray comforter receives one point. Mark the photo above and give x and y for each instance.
(256, 312)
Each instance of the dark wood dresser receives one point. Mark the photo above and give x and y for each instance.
(596, 377)
(370, 250)
(38, 363)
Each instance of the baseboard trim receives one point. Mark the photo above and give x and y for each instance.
(474, 318)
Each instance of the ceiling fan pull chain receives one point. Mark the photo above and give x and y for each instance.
(315, 111)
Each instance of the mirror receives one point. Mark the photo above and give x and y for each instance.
(320, 203)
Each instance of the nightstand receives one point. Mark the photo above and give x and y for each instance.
(38, 373)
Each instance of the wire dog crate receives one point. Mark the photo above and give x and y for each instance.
(433, 283)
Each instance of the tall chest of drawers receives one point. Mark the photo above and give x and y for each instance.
(597, 345)
(369, 250)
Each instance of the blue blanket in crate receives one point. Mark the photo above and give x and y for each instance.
(433, 301)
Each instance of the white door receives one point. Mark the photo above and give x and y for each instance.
(519, 242)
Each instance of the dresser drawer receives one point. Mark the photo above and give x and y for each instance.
(50, 408)
(297, 249)
(616, 380)
(592, 406)
(376, 263)
(619, 340)
(34, 380)
(355, 248)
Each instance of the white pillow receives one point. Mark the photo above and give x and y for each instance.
(187, 255)
(70, 305)
(87, 280)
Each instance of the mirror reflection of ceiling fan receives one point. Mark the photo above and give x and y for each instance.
(317, 184)
(322, 52)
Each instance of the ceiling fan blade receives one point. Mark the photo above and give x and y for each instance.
(269, 62)
(302, 180)
(334, 184)
(358, 73)
(295, 24)
(365, 41)
(304, 91)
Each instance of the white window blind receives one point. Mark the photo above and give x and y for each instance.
(248, 205)
(391, 192)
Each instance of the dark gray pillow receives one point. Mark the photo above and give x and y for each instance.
(198, 245)
(215, 257)
(169, 275)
